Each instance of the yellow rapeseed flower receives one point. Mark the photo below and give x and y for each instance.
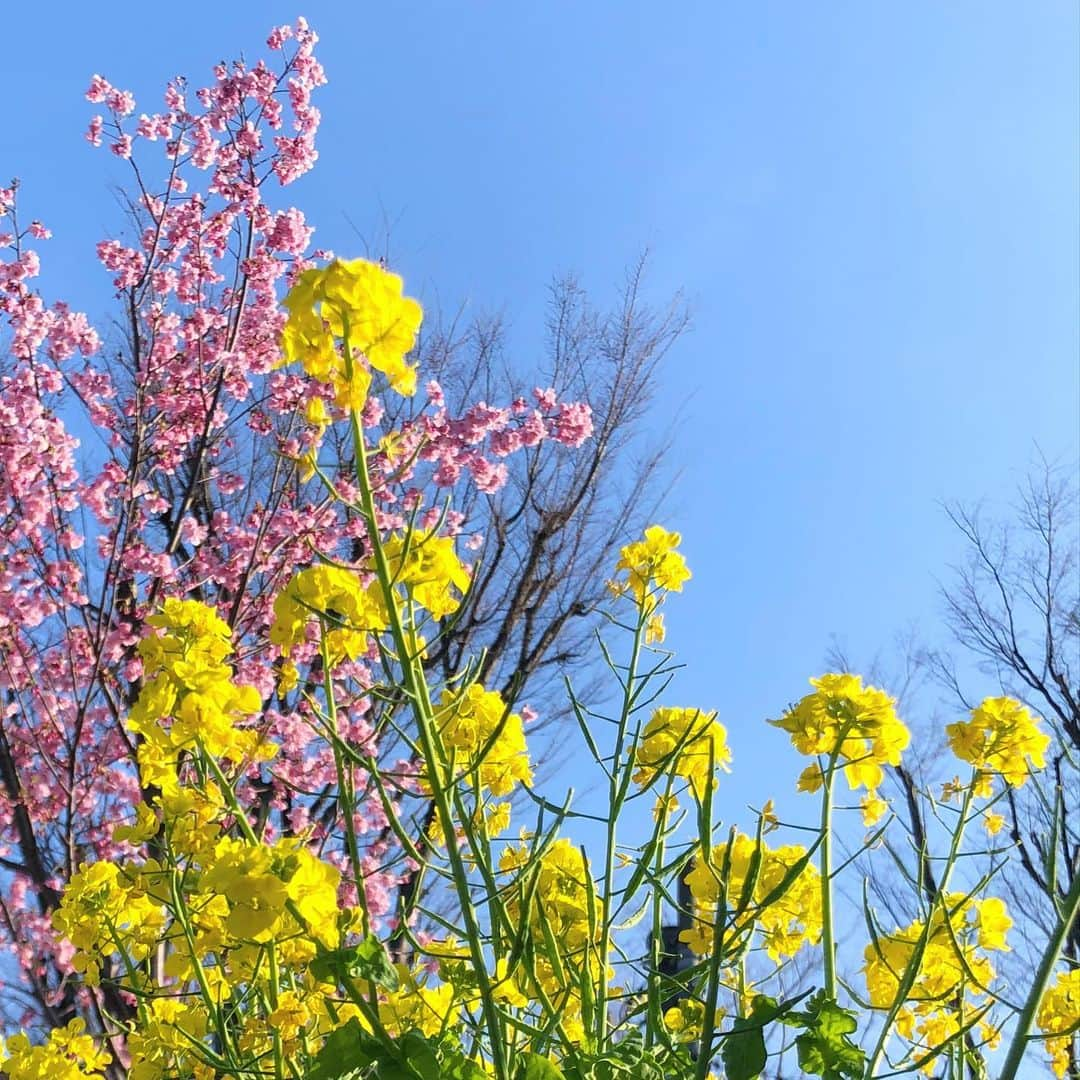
(790, 921)
(953, 972)
(351, 614)
(1057, 1017)
(652, 567)
(563, 894)
(68, 1054)
(1003, 737)
(684, 742)
(362, 304)
(475, 724)
(427, 565)
(858, 723)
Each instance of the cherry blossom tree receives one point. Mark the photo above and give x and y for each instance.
(199, 484)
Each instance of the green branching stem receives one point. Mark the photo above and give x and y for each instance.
(911, 972)
(617, 788)
(1022, 1035)
(416, 690)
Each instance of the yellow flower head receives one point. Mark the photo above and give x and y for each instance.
(563, 894)
(1058, 1015)
(652, 567)
(193, 638)
(874, 808)
(790, 921)
(189, 684)
(68, 1054)
(684, 1021)
(427, 565)
(857, 723)
(363, 305)
(685, 742)
(1002, 737)
(414, 1006)
(476, 726)
(953, 972)
(350, 612)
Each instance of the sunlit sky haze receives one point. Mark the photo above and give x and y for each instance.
(870, 208)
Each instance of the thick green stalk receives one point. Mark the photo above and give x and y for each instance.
(415, 686)
(617, 787)
(712, 992)
(655, 1020)
(344, 769)
(828, 939)
(279, 1056)
(828, 936)
(1021, 1037)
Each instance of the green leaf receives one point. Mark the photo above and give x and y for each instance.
(535, 1067)
(368, 962)
(350, 1053)
(420, 1055)
(456, 1066)
(347, 1050)
(824, 1048)
(628, 1059)
(743, 1048)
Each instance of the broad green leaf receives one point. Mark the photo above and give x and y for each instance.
(743, 1047)
(346, 1051)
(535, 1067)
(420, 1055)
(368, 961)
(824, 1048)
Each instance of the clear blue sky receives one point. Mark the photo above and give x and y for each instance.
(872, 208)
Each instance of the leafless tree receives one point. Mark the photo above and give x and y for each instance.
(1012, 613)
(552, 534)
(1013, 608)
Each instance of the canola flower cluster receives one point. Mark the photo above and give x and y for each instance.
(564, 894)
(1058, 1017)
(684, 742)
(69, 1053)
(482, 742)
(428, 568)
(1000, 738)
(741, 889)
(335, 596)
(648, 569)
(858, 725)
(362, 304)
(485, 738)
(352, 614)
(954, 972)
(238, 919)
(189, 698)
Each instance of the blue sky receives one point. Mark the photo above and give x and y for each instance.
(872, 210)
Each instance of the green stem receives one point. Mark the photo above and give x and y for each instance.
(828, 940)
(279, 1056)
(617, 787)
(911, 972)
(1018, 1046)
(344, 769)
(712, 992)
(415, 686)
(655, 1018)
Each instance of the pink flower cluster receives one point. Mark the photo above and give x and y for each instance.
(196, 490)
